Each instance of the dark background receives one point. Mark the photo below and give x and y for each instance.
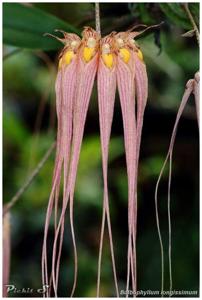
(29, 125)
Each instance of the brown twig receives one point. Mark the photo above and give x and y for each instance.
(186, 7)
(21, 191)
(97, 17)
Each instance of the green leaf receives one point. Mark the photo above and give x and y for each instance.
(194, 8)
(145, 15)
(24, 27)
(175, 15)
(178, 10)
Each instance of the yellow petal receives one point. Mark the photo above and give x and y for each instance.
(60, 63)
(88, 53)
(66, 59)
(140, 55)
(68, 56)
(125, 54)
(108, 60)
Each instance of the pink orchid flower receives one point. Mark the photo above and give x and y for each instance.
(118, 61)
(106, 80)
(132, 84)
(76, 75)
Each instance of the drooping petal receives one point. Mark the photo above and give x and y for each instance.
(86, 72)
(6, 251)
(141, 83)
(141, 86)
(126, 88)
(106, 81)
(197, 95)
(68, 87)
(86, 81)
(55, 183)
(130, 54)
(65, 94)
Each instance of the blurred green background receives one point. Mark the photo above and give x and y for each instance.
(29, 125)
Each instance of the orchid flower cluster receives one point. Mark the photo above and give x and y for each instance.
(118, 63)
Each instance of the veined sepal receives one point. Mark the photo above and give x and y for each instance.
(106, 82)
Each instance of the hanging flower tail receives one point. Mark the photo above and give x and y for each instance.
(68, 66)
(6, 251)
(141, 85)
(141, 82)
(86, 70)
(106, 96)
(126, 88)
(65, 94)
(197, 95)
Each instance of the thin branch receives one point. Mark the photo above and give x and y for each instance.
(21, 191)
(97, 17)
(186, 7)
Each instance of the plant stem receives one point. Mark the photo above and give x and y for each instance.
(21, 191)
(186, 7)
(97, 17)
